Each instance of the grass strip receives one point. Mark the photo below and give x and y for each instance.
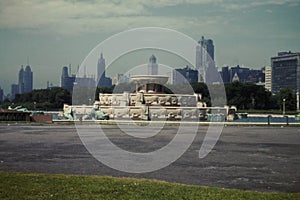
(45, 186)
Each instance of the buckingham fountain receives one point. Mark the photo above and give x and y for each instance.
(149, 102)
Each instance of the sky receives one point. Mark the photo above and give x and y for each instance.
(52, 34)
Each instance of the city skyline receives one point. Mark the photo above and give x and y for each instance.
(64, 32)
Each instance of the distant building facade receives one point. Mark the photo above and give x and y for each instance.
(268, 78)
(204, 58)
(120, 78)
(67, 82)
(14, 91)
(286, 71)
(25, 82)
(1, 95)
(242, 74)
(102, 80)
(185, 75)
(152, 66)
(28, 79)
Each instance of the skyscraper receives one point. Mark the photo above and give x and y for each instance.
(268, 78)
(152, 66)
(204, 57)
(1, 95)
(102, 80)
(286, 71)
(101, 69)
(21, 80)
(25, 80)
(28, 82)
(14, 91)
(67, 82)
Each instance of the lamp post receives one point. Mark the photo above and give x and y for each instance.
(283, 108)
(297, 101)
(34, 105)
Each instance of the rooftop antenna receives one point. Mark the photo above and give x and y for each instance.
(27, 60)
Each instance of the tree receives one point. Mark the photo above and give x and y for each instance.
(286, 94)
(44, 99)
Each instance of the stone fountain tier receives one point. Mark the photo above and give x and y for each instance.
(146, 79)
(149, 83)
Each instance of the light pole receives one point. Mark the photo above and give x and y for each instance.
(34, 105)
(297, 101)
(283, 108)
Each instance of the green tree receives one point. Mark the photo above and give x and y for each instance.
(44, 99)
(290, 99)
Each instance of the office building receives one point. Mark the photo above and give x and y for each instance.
(28, 79)
(1, 95)
(225, 74)
(152, 66)
(268, 78)
(204, 58)
(67, 82)
(102, 80)
(286, 71)
(242, 74)
(185, 75)
(120, 78)
(14, 91)
(21, 80)
(25, 82)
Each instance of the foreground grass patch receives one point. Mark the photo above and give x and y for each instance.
(45, 186)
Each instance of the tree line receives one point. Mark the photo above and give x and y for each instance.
(244, 96)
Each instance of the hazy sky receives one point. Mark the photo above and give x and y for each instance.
(57, 33)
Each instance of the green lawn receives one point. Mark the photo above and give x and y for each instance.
(41, 186)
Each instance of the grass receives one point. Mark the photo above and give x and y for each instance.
(41, 186)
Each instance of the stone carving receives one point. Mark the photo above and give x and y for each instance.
(157, 113)
(174, 114)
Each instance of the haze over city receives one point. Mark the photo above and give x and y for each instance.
(52, 34)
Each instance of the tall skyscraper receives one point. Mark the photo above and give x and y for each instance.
(268, 78)
(67, 82)
(101, 69)
(1, 95)
(286, 71)
(28, 82)
(152, 66)
(14, 91)
(102, 80)
(21, 80)
(25, 83)
(204, 57)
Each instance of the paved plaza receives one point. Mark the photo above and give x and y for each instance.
(257, 158)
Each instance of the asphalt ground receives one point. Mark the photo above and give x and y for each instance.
(258, 158)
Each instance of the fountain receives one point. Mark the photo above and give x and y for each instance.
(149, 102)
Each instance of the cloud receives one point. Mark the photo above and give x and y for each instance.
(238, 5)
(77, 17)
(72, 16)
(269, 11)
